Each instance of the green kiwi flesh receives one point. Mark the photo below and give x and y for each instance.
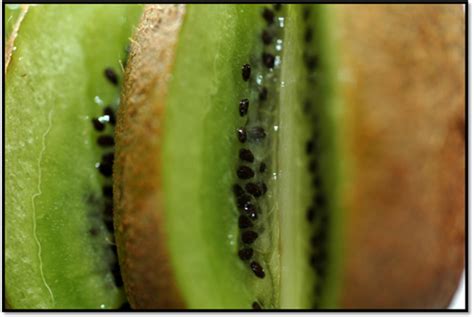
(58, 250)
(309, 200)
(210, 158)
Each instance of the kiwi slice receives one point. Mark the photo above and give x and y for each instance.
(64, 71)
(292, 156)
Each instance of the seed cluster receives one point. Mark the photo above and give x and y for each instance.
(256, 136)
(317, 212)
(104, 125)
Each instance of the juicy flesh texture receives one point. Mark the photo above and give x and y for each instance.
(53, 190)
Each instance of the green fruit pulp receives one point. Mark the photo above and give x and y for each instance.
(54, 87)
(215, 41)
(200, 159)
(298, 127)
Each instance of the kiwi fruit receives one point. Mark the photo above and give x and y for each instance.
(264, 157)
(59, 243)
(292, 156)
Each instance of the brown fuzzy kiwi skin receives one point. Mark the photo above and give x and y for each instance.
(138, 217)
(405, 137)
(403, 143)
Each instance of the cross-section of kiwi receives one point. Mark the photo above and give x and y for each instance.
(59, 244)
(268, 156)
(292, 156)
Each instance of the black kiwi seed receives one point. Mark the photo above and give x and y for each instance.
(313, 260)
(108, 210)
(108, 111)
(253, 189)
(241, 135)
(99, 126)
(109, 224)
(244, 222)
(263, 167)
(246, 71)
(262, 94)
(257, 269)
(113, 247)
(107, 191)
(238, 190)
(256, 133)
(105, 169)
(248, 237)
(108, 158)
(309, 147)
(311, 62)
(308, 35)
(277, 6)
(246, 155)
(268, 15)
(268, 60)
(111, 75)
(243, 200)
(245, 172)
(105, 141)
(310, 214)
(245, 254)
(243, 107)
(256, 306)
(266, 37)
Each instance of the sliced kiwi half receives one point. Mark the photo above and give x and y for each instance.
(292, 156)
(63, 72)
